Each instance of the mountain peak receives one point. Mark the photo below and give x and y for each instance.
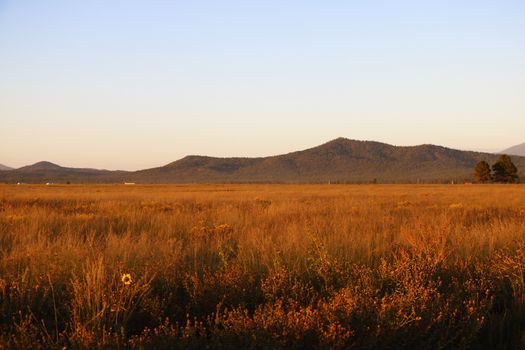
(5, 167)
(43, 165)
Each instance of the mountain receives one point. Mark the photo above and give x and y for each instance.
(518, 150)
(41, 166)
(340, 160)
(4, 167)
(50, 172)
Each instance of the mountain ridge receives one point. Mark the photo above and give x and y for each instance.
(338, 160)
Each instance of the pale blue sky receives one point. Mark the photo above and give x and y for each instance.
(136, 84)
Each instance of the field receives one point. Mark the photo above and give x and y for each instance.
(262, 266)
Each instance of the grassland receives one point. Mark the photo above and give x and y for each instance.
(262, 266)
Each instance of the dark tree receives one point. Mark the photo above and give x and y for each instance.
(482, 172)
(504, 170)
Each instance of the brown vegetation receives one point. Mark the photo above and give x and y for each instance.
(262, 266)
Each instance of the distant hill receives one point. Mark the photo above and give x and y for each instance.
(50, 172)
(4, 167)
(518, 150)
(41, 166)
(340, 160)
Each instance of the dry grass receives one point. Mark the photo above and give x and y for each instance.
(262, 266)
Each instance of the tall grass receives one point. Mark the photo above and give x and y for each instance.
(262, 266)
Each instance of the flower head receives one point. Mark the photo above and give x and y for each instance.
(126, 279)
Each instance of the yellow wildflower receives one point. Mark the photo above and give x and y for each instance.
(126, 279)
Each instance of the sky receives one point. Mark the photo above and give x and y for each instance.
(138, 84)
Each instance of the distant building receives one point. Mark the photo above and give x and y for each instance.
(129, 183)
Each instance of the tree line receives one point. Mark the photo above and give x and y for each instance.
(503, 171)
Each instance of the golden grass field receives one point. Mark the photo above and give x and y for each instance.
(262, 266)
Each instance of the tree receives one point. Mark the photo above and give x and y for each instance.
(482, 172)
(504, 170)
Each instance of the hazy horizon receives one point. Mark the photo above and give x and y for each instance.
(133, 85)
